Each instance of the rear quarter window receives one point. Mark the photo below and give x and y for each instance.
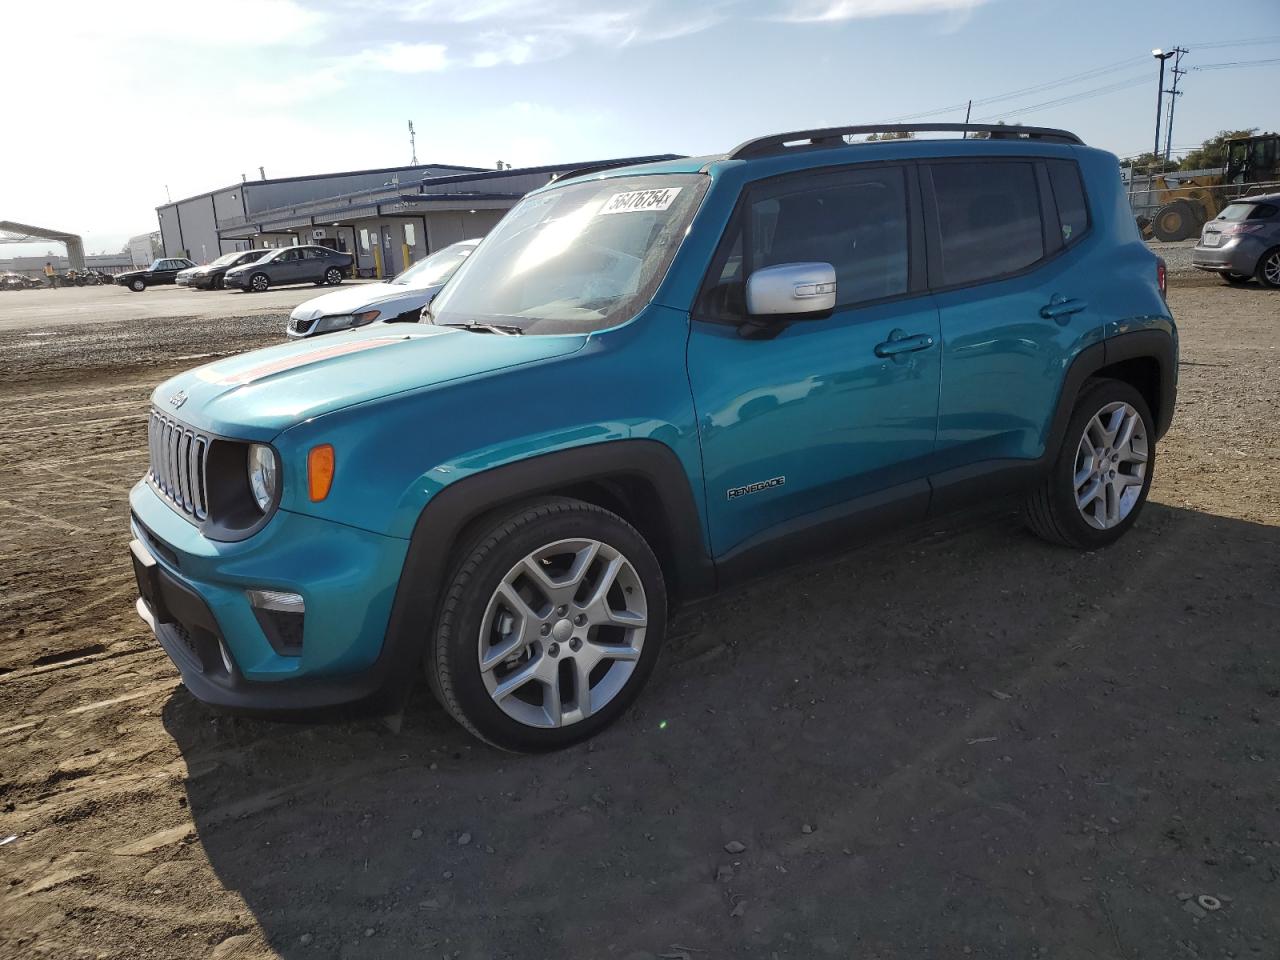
(1068, 195)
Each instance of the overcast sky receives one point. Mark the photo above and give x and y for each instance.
(107, 105)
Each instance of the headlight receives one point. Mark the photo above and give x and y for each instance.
(264, 475)
(345, 321)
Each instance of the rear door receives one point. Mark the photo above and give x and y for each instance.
(1013, 305)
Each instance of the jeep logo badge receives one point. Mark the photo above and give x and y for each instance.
(178, 399)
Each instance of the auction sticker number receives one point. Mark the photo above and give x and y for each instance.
(637, 200)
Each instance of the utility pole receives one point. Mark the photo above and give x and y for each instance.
(1162, 56)
(967, 110)
(413, 146)
(1174, 94)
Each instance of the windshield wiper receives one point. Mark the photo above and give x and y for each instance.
(504, 329)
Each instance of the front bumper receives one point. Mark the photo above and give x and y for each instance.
(192, 593)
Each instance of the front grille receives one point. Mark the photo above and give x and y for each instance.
(178, 456)
(299, 326)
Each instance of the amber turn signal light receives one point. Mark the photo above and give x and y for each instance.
(320, 471)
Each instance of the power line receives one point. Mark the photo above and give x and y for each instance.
(1070, 98)
(1232, 64)
(1035, 88)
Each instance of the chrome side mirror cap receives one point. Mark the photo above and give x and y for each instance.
(791, 288)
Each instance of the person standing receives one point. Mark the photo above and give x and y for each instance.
(49, 273)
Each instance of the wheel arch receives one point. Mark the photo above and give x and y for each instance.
(1145, 359)
(640, 480)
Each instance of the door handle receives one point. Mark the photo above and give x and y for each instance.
(899, 343)
(1060, 308)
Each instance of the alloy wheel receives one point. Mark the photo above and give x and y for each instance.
(1271, 269)
(260, 283)
(1111, 465)
(562, 633)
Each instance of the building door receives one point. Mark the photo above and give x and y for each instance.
(390, 250)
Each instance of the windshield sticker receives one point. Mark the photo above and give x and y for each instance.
(638, 200)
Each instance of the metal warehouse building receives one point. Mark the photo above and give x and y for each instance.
(389, 218)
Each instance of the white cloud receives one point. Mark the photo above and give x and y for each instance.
(400, 58)
(235, 23)
(827, 11)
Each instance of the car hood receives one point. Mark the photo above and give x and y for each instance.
(355, 299)
(256, 395)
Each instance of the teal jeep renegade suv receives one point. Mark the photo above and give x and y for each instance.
(647, 383)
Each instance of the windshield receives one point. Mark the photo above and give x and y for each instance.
(437, 268)
(225, 259)
(580, 258)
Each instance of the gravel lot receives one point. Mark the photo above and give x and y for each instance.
(955, 742)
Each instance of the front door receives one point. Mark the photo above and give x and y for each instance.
(834, 412)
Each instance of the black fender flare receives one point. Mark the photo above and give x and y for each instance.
(1156, 345)
(449, 512)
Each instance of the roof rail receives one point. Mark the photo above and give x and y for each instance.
(834, 136)
(614, 164)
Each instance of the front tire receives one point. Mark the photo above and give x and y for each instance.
(219, 283)
(550, 625)
(1098, 484)
(259, 283)
(1268, 272)
(138, 285)
(333, 276)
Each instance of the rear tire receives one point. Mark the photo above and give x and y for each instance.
(333, 276)
(1174, 221)
(1268, 271)
(549, 626)
(1089, 499)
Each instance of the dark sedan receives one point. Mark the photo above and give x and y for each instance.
(211, 276)
(301, 264)
(164, 270)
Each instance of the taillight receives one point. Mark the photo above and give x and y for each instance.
(1231, 229)
(1162, 277)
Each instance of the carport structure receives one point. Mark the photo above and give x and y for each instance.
(13, 232)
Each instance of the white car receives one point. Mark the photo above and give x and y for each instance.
(399, 299)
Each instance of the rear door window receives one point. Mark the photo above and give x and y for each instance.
(988, 219)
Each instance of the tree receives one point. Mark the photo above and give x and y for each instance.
(891, 135)
(1144, 163)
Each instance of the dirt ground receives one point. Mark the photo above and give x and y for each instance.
(955, 742)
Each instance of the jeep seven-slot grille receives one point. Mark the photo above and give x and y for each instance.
(178, 456)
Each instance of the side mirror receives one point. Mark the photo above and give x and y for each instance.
(789, 289)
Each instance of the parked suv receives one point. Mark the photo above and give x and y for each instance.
(164, 270)
(301, 264)
(211, 276)
(1243, 241)
(648, 383)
